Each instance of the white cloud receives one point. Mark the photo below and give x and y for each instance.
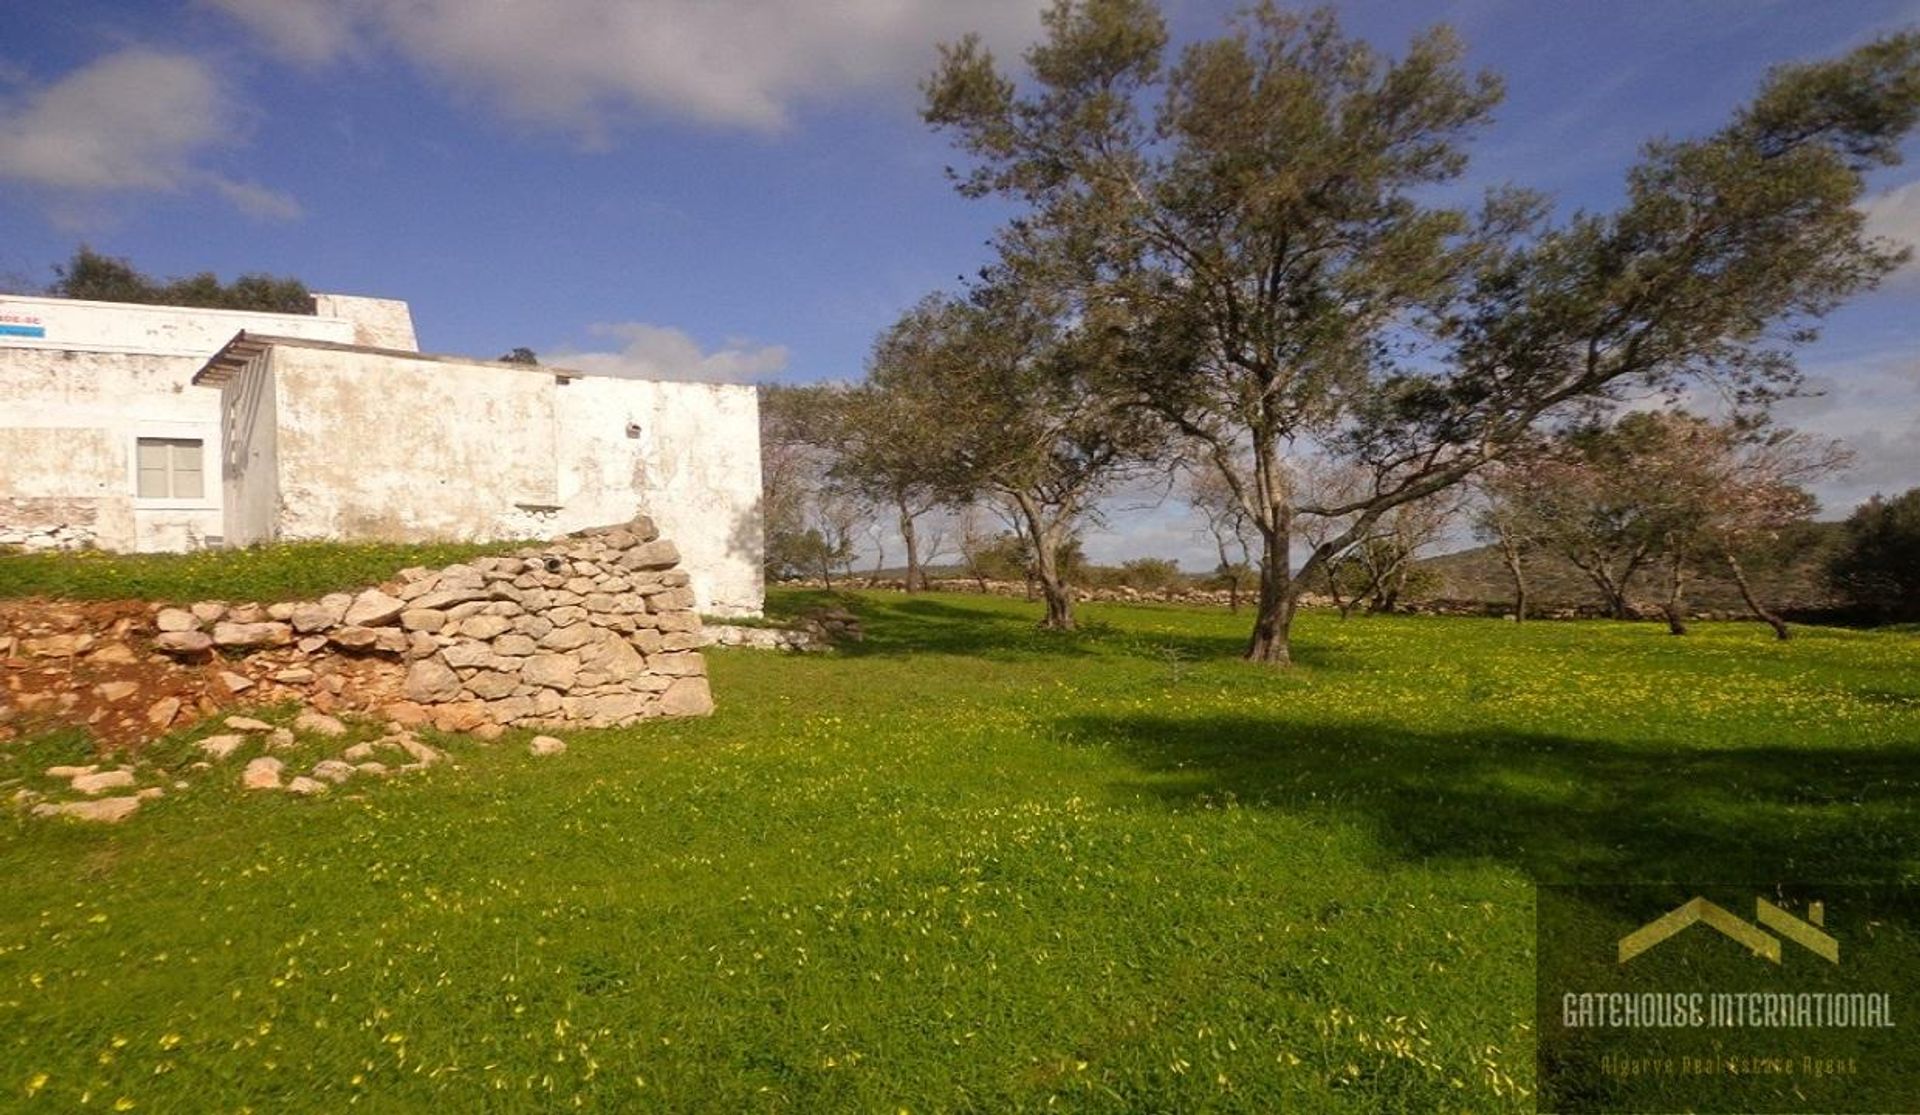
(256, 200)
(301, 30)
(135, 119)
(129, 120)
(1871, 401)
(662, 352)
(579, 63)
(1895, 215)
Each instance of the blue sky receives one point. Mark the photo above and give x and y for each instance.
(743, 190)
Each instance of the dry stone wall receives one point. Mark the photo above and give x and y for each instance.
(594, 629)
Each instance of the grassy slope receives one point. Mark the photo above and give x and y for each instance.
(289, 571)
(963, 866)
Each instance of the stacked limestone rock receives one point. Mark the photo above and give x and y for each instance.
(833, 625)
(598, 628)
(594, 629)
(763, 638)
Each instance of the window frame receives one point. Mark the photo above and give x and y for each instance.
(174, 434)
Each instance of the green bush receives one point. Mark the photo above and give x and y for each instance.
(1150, 574)
(1877, 565)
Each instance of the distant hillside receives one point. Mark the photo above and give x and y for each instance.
(1794, 584)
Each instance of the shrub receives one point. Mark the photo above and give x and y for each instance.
(1150, 574)
(1877, 565)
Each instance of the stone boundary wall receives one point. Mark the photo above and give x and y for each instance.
(1019, 589)
(1250, 598)
(818, 630)
(761, 638)
(591, 630)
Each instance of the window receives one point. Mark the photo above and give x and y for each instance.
(169, 468)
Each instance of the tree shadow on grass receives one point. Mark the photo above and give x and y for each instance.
(911, 625)
(898, 624)
(1557, 808)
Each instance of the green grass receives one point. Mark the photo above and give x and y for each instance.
(964, 865)
(267, 574)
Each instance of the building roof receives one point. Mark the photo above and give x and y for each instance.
(245, 348)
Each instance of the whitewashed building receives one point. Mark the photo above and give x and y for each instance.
(165, 428)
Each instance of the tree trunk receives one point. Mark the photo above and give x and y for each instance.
(1612, 593)
(1511, 555)
(1046, 539)
(916, 577)
(1377, 581)
(1333, 590)
(1613, 590)
(1780, 629)
(1676, 604)
(1385, 594)
(1058, 596)
(1226, 570)
(1059, 606)
(1273, 623)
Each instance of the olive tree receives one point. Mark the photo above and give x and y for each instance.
(884, 437)
(1021, 420)
(1664, 490)
(1256, 219)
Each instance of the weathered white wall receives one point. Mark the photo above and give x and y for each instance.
(689, 455)
(151, 330)
(324, 442)
(377, 445)
(81, 381)
(378, 322)
(68, 422)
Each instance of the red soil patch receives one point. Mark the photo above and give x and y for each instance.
(92, 665)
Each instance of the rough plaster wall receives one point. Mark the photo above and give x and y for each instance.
(249, 468)
(378, 322)
(117, 372)
(57, 475)
(374, 446)
(693, 464)
(57, 462)
(76, 415)
(162, 330)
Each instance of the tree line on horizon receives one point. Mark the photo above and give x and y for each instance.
(96, 277)
(1228, 266)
